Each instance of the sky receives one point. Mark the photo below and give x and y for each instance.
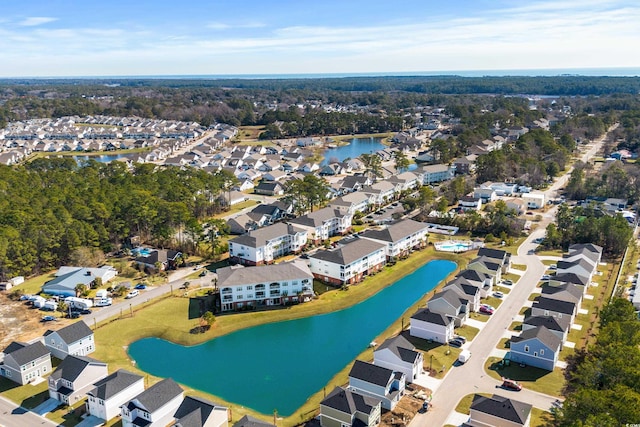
(50, 38)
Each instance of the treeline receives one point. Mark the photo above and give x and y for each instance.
(612, 179)
(588, 224)
(604, 381)
(51, 207)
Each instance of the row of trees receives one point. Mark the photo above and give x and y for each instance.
(52, 207)
(613, 179)
(604, 381)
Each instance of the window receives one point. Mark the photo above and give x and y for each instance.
(239, 297)
(526, 349)
(249, 288)
(541, 352)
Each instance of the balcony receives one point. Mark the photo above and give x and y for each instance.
(274, 293)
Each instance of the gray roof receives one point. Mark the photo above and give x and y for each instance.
(564, 292)
(114, 384)
(317, 218)
(563, 265)
(73, 332)
(429, 316)
(249, 421)
(401, 347)
(159, 394)
(542, 334)
(585, 246)
(72, 366)
(560, 324)
(571, 278)
(490, 263)
(558, 306)
(397, 231)
(465, 288)
(371, 373)
(495, 254)
(349, 402)
(502, 407)
(350, 252)
(259, 237)
(193, 412)
(450, 296)
(25, 353)
(239, 275)
(473, 275)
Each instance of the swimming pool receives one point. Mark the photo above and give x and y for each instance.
(454, 246)
(141, 251)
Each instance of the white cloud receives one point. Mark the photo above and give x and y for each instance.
(34, 21)
(226, 25)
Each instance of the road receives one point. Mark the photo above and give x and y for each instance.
(471, 377)
(12, 415)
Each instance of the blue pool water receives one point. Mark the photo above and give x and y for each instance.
(141, 251)
(280, 365)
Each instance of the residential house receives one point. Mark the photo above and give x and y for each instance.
(581, 266)
(537, 347)
(488, 266)
(502, 257)
(565, 292)
(483, 281)
(465, 291)
(437, 173)
(432, 326)
(234, 197)
(272, 211)
(465, 165)
(374, 381)
(108, 394)
(167, 259)
(381, 193)
(352, 202)
(517, 205)
(400, 238)
(451, 304)
(324, 223)
(264, 245)
(534, 200)
(269, 188)
(353, 183)
(24, 363)
(75, 339)
(345, 408)
(274, 176)
(498, 411)
(407, 180)
(398, 354)
(249, 421)
(267, 285)
(244, 223)
(486, 194)
(197, 412)
(559, 326)
(67, 278)
(154, 407)
(349, 263)
(551, 307)
(573, 278)
(74, 377)
(245, 185)
(469, 203)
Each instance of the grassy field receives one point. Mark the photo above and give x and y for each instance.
(535, 379)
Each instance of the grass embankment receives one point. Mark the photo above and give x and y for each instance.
(167, 319)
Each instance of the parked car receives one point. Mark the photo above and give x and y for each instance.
(511, 384)
(48, 319)
(203, 273)
(507, 282)
(72, 315)
(553, 267)
(460, 338)
(141, 286)
(133, 293)
(486, 310)
(455, 343)
(498, 294)
(545, 277)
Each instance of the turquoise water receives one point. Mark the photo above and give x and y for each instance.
(356, 147)
(454, 246)
(280, 365)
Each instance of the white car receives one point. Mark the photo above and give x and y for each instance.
(545, 277)
(498, 294)
(132, 293)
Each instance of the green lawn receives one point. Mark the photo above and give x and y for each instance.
(34, 284)
(516, 326)
(503, 344)
(520, 267)
(469, 332)
(535, 379)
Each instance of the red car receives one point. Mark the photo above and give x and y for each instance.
(511, 384)
(486, 310)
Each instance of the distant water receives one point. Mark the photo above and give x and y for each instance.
(613, 72)
(356, 147)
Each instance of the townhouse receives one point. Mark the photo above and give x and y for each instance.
(349, 263)
(264, 245)
(399, 238)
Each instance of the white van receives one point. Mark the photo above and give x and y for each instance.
(464, 356)
(132, 293)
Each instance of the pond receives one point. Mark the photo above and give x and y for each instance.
(356, 147)
(105, 158)
(278, 366)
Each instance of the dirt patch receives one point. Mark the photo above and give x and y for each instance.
(407, 408)
(18, 322)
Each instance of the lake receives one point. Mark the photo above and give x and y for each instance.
(280, 365)
(356, 147)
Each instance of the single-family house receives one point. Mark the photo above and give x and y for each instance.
(349, 263)
(274, 176)
(451, 304)
(488, 266)
(375, 381)
(537, 347)
(167, 259)
(465, 291)
(581, 267)
(269, 188)
(75, 339)
(353, 183)
(559, 326)
(565, 292)
(470, 203)
(24, 363)
(551, 307)
(244, 223)
(533, 200)
(234, 197)
(273, 211)
(265, 285)
(431, 325)
(400, 238)
(498, 411)
(398, 354)
(486, 194)
(573, 278)
(108, 394)
(345, 408)
(74, 377)
(476, 278)
(197, 412)
(465, 165)
(67, 278)
(264, 245)
(502, 257)
(154, 407)
(249, 421)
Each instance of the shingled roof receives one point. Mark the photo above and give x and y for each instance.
(114, 384)
(502, 407)
(73, 332)
(345, 254)
(349, 402)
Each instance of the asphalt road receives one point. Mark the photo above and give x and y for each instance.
(471, 377)
(12, 415)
